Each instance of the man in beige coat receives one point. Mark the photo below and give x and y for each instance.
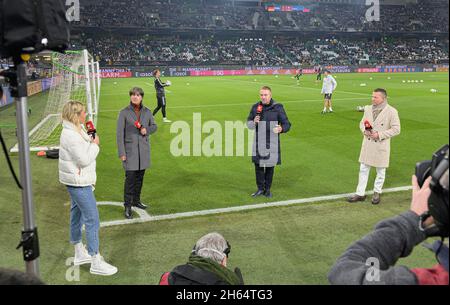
(379, 124)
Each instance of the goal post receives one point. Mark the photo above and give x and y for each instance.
(75, 77)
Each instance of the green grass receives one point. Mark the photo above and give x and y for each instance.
(292, 245)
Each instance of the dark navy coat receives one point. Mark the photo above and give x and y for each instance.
(271, 116)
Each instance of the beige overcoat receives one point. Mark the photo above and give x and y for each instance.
(377, 153)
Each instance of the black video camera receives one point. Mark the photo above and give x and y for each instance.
(28, 27)
(438, 203)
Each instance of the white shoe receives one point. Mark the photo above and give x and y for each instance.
(165, 120)
(81, 255)
(100, 267)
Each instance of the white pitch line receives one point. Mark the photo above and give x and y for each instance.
(149, 218)
(247, 104)
(142, 214)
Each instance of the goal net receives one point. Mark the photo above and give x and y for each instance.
(75, 77)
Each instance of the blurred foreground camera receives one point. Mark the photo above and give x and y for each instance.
(438, 203)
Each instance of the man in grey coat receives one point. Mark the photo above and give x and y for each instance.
(134, 126)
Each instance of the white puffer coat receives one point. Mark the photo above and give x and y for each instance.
(77, 154)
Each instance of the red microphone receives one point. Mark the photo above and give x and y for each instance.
(138, 125)
(368, 125)
(91, 131)
(259, 110)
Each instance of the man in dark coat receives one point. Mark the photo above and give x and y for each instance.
(270, 120)
(134, 126)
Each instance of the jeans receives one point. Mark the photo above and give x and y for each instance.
(84, 211)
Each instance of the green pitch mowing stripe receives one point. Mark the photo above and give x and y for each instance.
(287, 245)
(320, 153)
(145, 217)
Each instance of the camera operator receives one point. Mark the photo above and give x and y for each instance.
(372, 259)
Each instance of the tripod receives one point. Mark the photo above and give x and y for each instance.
(17, 79)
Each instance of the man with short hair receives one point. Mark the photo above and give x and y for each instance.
(269, 119)
(207, 265)
(329, 85)
(379, 124)
(134, 127)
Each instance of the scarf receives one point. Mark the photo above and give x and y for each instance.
(376, 109)
(209, 265)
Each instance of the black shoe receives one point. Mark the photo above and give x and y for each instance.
(140, 205)
(258, 193)
(268, 194)
(128, 212)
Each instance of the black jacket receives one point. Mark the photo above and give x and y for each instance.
(159, 87)
(272, 114)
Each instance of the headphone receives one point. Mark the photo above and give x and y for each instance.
(224, 254)
(438, 202)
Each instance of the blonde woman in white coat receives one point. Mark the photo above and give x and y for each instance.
(77, 155)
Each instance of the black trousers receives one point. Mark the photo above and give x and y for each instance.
(133, 187)
(264, 177)
(161, 105)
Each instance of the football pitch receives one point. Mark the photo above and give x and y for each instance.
(288, 245)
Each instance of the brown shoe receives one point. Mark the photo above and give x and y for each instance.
(356, 198)
(376, 198)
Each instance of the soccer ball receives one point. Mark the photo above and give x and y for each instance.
(363, 85)
(169, 83)
(389, 77)
(187, 84)
(360, 108)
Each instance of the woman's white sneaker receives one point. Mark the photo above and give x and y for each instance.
(81, 255)
(100, 267)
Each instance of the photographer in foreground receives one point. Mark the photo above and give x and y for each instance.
(207, 265)
(372, 259)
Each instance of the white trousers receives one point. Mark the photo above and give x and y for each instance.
(364, 172)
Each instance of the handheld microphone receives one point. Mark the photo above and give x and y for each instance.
(91, 131)
(138, 125)
(368, 125)
(259, 110)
